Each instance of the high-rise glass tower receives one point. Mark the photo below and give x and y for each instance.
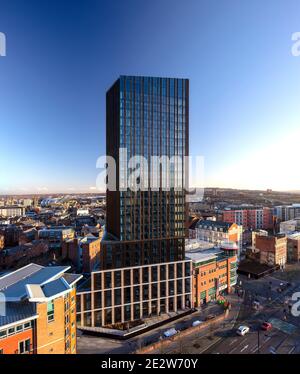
(147, 117)
(143, 270)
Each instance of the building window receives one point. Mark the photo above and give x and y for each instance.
(24, 346)
(1, 351)
(50, 311)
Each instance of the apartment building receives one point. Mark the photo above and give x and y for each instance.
(250, 218)
(84, 252)
(55, 236)
(12, 211)
(218, 232)
(38, 311)
(287, 212)
(143, 272)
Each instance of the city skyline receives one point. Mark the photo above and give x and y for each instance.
(243, 87)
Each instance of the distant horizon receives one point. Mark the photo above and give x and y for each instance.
(48, 193)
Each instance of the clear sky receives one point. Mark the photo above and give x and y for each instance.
(63, 55)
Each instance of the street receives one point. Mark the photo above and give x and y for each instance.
(221, 338)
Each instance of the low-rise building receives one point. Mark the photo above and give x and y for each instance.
(272, 249)
(214, 272)
(56, 236)
(83, 252)
(10, 257)
(288, 227)
(293, 247)
(218, 232)
(38, 314)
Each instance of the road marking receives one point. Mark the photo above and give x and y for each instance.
(291, 350)
(243, 349)
(255, 349)
(233, 341)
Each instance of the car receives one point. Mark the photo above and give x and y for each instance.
(170, 332)
(209, 317)
(266, 326)
(243, 330)
(196, 323)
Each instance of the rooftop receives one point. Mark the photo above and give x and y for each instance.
(205, 255)
(225, 226)
(14, 285)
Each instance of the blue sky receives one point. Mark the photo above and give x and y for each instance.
(62, 56)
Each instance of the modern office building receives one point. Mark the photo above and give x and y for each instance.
(143, 270)
(214, 272)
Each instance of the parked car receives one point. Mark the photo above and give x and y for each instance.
(266, 326)
(170, 332)
(243, 330)
(196, 323)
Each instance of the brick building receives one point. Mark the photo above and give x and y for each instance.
(55, 236)
(83, 252)
(250, 218)
(10, 257)
(218, 232)
(38, 311)
(214, 273)
(293, 247)
(272, 249)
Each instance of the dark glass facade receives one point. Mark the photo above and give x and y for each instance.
(147, 117)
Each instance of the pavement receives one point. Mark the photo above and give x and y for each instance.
(88, 344)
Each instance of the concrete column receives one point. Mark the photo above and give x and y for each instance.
(131, 296)
(175, 287)
(93, 298)
(122, 297)
(167, 288)
(113, 317)
(158, 289)
(150, 290)
(141, 292)
(103, 298)
(183, 285)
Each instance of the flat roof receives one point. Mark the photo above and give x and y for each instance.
(204, 255)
